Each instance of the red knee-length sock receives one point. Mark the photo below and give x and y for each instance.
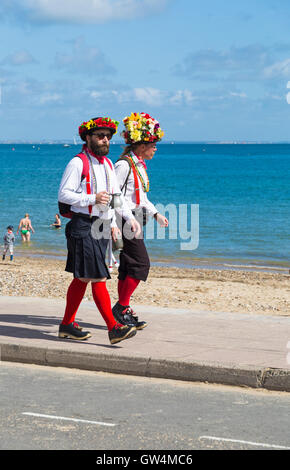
(126, 290)
(120, 287)
(74, 296)
(103, 302)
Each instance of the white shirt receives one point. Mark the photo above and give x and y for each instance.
(122, 169)
(74, 192)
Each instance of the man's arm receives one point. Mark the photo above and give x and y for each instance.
(70, 191)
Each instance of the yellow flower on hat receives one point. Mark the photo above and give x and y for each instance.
(136, 135)
(134, 117)
(141, 127)
(130, 126)
(160, 133)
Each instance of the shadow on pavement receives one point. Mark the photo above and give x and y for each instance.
(42, 322)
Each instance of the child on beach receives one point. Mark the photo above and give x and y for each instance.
(9, 239)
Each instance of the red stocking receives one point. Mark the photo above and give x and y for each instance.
(127, 289)
(75, 294)
(103, 302)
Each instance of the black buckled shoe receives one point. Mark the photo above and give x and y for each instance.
(126, 316)
(69, 331)
(121, 332)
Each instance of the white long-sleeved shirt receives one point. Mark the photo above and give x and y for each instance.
(122, 169)
(73, 191)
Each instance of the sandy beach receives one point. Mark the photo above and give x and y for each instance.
(195, 289)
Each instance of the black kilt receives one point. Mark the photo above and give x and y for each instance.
(134, 259)
(86, 255)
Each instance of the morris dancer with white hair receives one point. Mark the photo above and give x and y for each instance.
(141, 134)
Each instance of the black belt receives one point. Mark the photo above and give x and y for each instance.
(85, 216)
(90, 217)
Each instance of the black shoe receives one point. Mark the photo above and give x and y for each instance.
(121, 332)
(126, 316)
(69, 331)
(77, 326)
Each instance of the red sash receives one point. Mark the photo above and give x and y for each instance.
(88, 182)
(137, 187)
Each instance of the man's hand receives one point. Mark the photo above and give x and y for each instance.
(135, 226)
(116, 233)
(102, 198)
(163, 222)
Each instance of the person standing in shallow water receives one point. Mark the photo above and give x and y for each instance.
(141, 134)
(57, 222)
(25, 227)
(88, 200)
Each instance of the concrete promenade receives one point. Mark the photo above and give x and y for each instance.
(231, 349)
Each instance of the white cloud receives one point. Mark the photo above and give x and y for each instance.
(149, 96)
(81, 11)
(83, 58)
(278, 69)
(49, 98)
(35, 94)
(182, 97)
(21, 57)
(95, 95)
(249, 63)
(239, 95)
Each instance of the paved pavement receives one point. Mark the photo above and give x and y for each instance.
(231, 349)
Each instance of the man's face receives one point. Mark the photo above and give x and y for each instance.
(99, 142)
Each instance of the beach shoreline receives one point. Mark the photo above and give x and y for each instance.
(179, 262)
(197, 289)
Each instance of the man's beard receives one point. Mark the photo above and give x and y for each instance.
(100, 150)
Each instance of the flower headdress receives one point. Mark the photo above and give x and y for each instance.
(141, 128)
(98, 123)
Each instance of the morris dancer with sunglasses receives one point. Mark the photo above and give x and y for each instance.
(141, 134)
(83, 196)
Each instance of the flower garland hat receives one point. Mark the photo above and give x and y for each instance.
(141, 128)
(97, 123)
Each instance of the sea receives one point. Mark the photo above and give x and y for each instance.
(228, 205)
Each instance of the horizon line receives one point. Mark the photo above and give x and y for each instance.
(168, 142)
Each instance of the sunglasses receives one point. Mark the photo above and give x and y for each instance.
(102, 135)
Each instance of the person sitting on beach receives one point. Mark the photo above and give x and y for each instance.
(88, 202)
(57, 223)
(9, 239)
(141, 134)
(25, 227)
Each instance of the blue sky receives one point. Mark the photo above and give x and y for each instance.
(206, 69)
